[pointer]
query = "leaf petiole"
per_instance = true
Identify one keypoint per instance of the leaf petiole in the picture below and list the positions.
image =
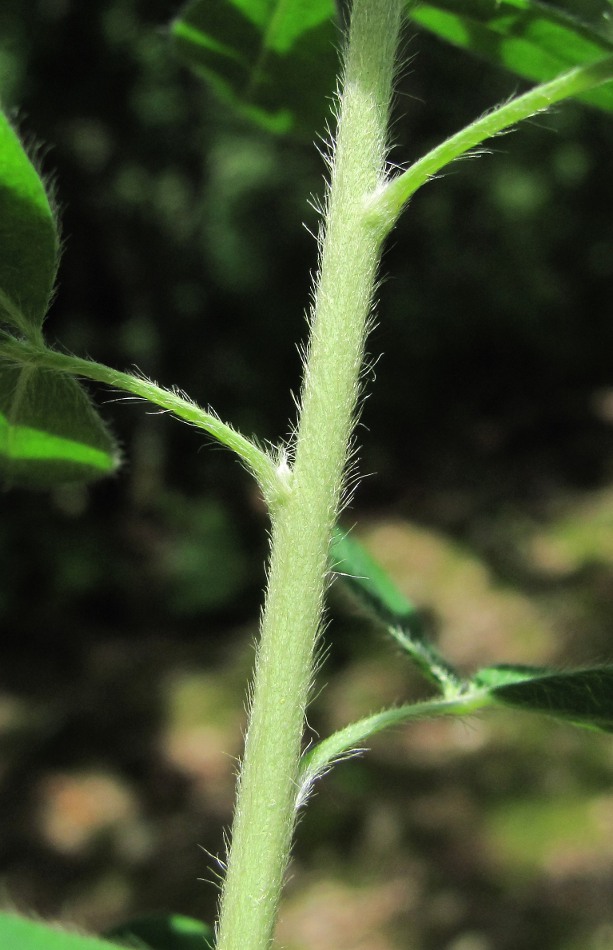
(388, 202)
(272, 477)
(347, 741)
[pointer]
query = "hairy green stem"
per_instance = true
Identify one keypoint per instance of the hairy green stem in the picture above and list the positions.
(346, 741)
(301, 529)
(270, 476)
(388, 203)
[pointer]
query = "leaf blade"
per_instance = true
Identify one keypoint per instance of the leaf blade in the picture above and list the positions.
(582, 697)
(164, 932)
(49, 431)
(373, 588)
(368, 580)
(536, 41)
(20, 933)
(29, 237)
(256, 53)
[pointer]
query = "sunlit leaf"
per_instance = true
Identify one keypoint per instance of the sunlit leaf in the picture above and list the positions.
(506, 674)
(271, 60)
(585, 697)
(165, 932)
(536, 41)
(19, 933)
(49, 431)
(29, 242)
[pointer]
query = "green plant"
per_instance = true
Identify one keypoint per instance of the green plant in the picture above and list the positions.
(50, 433)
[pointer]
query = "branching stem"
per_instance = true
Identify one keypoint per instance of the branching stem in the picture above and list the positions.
(302, 527)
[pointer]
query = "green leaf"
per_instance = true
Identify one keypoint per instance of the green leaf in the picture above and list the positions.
(273, 61)
(164, 932)
(585, 697)
(19, 933)
(368, 580)
(29, 241)
(49, 432)
(536, 41)
(376, 592)
(507, 674)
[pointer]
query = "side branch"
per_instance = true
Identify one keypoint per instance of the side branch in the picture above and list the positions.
(346, 742)
(272, 479)
(387, 203)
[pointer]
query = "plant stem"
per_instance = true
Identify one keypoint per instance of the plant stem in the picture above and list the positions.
(346, 741)
(266, 471)
(302, 527)
(389, 202)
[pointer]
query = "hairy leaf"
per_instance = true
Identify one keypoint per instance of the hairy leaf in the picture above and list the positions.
(537, 41)
(49, 431)
(164, 932)
(29, 241)
(273, 61)
(19, 933)
(585, 697)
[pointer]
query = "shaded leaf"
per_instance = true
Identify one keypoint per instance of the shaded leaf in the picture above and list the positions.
(29, 241)
(585, 697)
(164, 932)
(273, 61)
(49, 431)
(376, 592)
(19, 933)
(276, 62)
(536, 41)
(369, 581)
